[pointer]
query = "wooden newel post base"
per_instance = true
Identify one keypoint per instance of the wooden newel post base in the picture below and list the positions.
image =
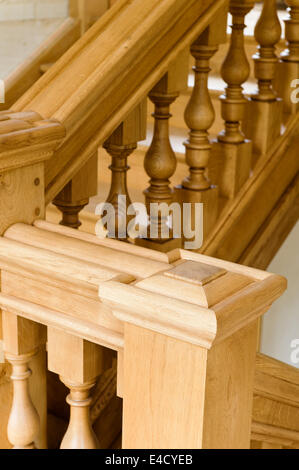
(190, 336)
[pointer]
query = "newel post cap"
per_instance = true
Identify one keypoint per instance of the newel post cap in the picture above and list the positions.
(199, 299)
(26, 138)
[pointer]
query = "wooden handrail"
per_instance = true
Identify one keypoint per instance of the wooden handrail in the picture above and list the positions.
(94, 103)
(77, 327)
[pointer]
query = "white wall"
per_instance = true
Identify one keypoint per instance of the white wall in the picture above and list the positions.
(11, 10)
(281, 324)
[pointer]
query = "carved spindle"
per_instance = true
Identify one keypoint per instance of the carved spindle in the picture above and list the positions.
(120, 145)
(264, 105)
(160, 164)
(231, 154)
(199, 117)
(289, 65)
(235, 71)
(119, 168)
(24, 345)
(79, 363)
(196, 188)
(23, 424)
(160, 159)
(75, 195)
(267, 34)
(79, 434)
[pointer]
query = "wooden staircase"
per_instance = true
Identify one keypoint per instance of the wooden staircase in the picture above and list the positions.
(148, 296)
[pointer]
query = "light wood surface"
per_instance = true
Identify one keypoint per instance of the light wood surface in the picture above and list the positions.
(170, 310)
(154, 362)
(208, 327)
(228, 396)
(82, 251)
(79, 328)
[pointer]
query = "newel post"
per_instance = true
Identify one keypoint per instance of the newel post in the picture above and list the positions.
(187, 368)
(26, 142)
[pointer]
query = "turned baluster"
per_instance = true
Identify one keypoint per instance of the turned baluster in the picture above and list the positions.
(160, 164)
(75, 195)
(79, 434)
(120, 146)
(235, 71)
(79, 363)
(23, 424)
(199, 116)
(160, 160)
(232, 153)
(267, 34)
(24, 342)
(118, 195)
(287, 78)
(264, 105)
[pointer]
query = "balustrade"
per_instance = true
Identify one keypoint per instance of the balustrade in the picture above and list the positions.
(160, 357)
(177, 320)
